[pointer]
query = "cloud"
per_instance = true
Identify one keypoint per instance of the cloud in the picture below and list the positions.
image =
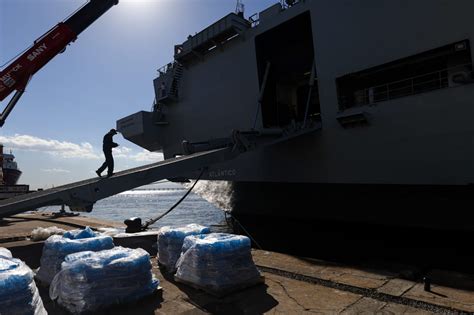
(55, 170)
(63, 149)
(147, 156)
(70, 150)
(122, 152)
(142, 156)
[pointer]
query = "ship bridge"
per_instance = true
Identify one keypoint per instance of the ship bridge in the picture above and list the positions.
(215, 35)
(195, 48)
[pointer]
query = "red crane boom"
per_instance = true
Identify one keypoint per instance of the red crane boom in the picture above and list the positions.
(18, 73)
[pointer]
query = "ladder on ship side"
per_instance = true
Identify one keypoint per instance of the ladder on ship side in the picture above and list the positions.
(177, 75)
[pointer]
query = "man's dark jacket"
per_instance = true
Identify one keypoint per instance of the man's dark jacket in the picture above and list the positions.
(108, 144)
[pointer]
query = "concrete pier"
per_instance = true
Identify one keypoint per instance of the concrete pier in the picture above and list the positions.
(292, 284)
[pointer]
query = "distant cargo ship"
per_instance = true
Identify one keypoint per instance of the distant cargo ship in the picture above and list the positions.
(11, 173)
(9, 176)
(10, 170)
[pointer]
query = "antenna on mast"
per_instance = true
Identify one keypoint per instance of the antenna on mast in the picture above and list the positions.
(240, 8)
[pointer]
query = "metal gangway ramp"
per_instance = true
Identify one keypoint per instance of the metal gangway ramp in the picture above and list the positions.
(83, 194)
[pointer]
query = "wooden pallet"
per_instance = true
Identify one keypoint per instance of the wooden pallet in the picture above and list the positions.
(113, 307)
(223, 292)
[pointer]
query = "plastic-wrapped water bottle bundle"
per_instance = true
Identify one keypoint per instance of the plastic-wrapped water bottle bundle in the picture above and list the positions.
(89, 281)
(80, 234)
(217, 262)
(5, 252)
(41, 234)
(57, 247)
(170, 241)
(18, 292)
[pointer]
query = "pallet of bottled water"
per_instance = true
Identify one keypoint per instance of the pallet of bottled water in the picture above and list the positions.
(218, 263)
(170, 242)
(57, 247)
(91, 281)
(18, 291)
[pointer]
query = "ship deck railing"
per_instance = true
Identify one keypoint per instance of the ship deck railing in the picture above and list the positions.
(285, 5)
(214, 35)
(435, 80)
(254, 19)
(167, 67)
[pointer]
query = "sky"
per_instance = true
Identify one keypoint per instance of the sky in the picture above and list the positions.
(56, 129)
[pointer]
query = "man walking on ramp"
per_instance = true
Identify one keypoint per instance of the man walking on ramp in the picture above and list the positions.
(107, 146)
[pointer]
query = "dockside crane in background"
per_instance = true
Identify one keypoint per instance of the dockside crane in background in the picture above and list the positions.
(16, 76)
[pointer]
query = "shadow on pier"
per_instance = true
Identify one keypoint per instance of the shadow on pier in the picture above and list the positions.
(409, 252)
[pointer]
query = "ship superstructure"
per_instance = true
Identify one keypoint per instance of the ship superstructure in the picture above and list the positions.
(11, 172)
(388, 84)
(9, 176)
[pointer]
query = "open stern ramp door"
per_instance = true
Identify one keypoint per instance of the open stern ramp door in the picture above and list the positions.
(82, 195)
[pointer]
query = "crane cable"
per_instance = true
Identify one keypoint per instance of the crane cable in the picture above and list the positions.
(154, 220)
(13, 58)
(19, 54)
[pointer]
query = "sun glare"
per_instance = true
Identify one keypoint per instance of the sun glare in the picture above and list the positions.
(139, 8)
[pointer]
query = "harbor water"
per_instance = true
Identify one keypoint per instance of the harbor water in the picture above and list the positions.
(154, 200)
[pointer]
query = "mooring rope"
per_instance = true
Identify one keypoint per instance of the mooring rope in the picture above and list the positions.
(247, 232)
(154, 220)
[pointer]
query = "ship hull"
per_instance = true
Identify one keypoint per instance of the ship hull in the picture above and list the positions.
(423, 206)
(11, 176)
(395, 143)
(358, 228)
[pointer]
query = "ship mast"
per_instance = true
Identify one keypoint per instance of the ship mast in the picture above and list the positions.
(240, 8)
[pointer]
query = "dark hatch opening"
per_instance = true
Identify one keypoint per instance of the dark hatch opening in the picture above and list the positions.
(289, 50)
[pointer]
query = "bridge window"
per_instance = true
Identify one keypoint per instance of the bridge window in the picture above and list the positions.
(440, 68)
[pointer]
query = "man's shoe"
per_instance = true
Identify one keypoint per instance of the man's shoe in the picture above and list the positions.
(98, 174)
(109, 175)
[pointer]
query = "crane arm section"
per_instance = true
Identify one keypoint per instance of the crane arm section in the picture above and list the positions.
(17, 74)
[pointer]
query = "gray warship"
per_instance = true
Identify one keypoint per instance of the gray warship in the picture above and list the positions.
(369, 104)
